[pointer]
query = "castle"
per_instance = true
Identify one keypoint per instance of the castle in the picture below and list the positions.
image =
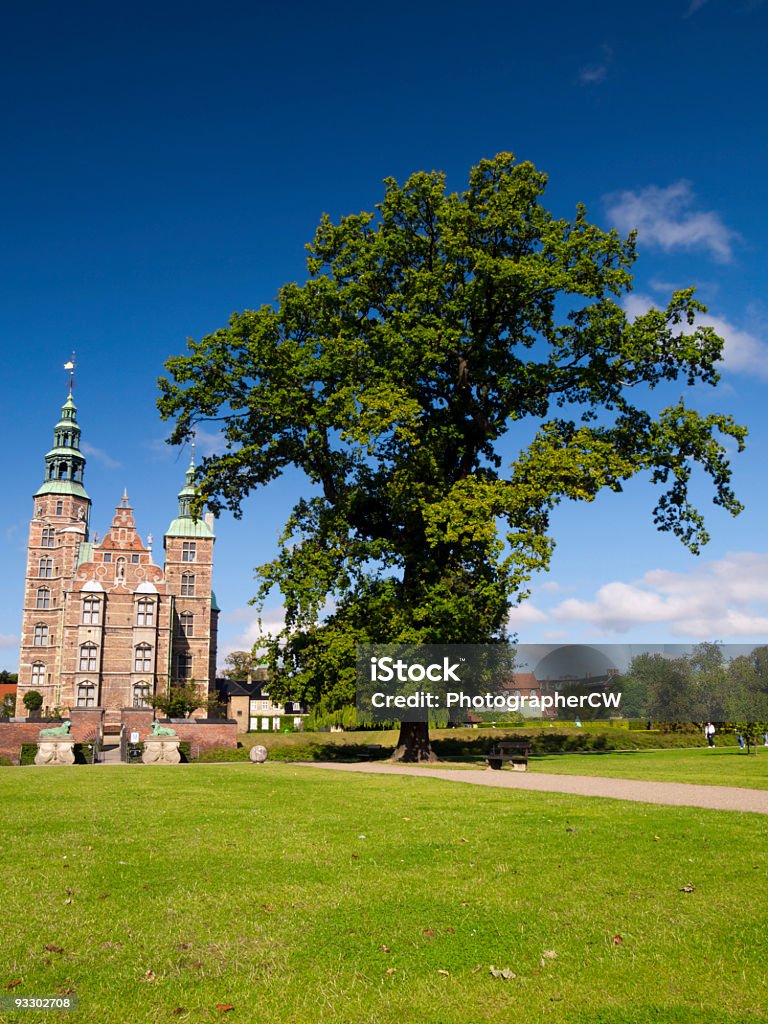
(103, 625)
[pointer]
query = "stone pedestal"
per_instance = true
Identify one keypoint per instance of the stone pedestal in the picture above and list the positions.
(161, 750)
(55, 750)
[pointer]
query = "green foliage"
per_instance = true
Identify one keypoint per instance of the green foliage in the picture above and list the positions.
(8, 706)
(32, 700)
(181, 700)
(240, 665)
(699, 687)
(428, 331)
(27, 753)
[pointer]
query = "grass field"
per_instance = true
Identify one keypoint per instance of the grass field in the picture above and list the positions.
(296, 896)
(723, 766)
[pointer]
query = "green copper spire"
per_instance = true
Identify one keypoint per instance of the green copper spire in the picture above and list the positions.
(64, 463)
(185, 525)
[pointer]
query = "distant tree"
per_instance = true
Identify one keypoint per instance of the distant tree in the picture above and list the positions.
(429, 330)
(240, 665)
(182, 700)
(8, 706)
(8, 678)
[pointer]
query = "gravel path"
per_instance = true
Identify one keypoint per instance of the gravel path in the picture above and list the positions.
(680, 794)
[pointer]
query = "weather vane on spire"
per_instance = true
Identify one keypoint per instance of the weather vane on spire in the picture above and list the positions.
(70, 365)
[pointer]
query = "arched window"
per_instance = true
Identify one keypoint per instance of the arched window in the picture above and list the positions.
(141, 695)
(43, 598)
(188, 584)
(186, 623)
(38, 674)
(91, 611)
(145, 612)
(86, 695)
(142, 661)
(183, 665)
(41, 635)
(46, 539)
(88, 654)
(45, 567)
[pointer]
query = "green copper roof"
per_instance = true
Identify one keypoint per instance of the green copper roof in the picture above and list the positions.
(64, 464)
(214, 603)
(86, 553)
(186, 526)
(62, 487)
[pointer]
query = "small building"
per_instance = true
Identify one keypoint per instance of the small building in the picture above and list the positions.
(249, 704)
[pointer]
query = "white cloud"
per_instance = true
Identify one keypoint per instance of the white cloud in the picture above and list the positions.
(251, 630)
(99, 455)
(663, 217)
(596, 72)
(717, 600)
(743, 352)
(524, 614)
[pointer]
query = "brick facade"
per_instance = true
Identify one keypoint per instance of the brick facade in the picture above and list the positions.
(104, 625)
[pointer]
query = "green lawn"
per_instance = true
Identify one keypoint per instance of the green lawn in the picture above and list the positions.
(723, 766)
(298, 895)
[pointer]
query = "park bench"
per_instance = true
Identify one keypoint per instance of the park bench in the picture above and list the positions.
(514, 752)
(371, 752)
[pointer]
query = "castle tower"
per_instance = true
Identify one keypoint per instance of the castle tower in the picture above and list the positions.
(57, 533)
(188, 545)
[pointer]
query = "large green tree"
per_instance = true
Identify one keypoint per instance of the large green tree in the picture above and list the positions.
(429, 330)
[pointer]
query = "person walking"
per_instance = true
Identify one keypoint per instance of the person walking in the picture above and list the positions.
(709, 732)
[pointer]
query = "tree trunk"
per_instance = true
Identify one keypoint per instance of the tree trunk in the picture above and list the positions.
(413, 743)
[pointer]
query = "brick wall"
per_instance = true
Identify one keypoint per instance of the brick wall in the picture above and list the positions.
(86, 728)
(206, 734)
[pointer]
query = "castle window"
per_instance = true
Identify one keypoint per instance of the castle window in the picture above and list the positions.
(186, 623)
(184, 665)
(141, 695)
(91, 611)
(145, 612)
(107, 556)
(142, 661)
(86, 695)
(43, 598)
(46, 567)
(135, 559)
(41, 635)
(88, 657)
(46, 540)
(59, 508)
(38, 674)
(188, 551)
(188, 585)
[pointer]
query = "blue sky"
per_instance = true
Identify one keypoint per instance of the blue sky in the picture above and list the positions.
(164, 167)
